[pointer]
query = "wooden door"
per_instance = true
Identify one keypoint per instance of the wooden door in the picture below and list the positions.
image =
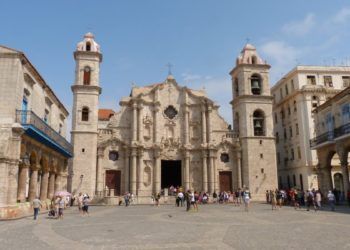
(225, 180)
(113, 181)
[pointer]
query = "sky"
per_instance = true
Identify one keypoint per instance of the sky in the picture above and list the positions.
(200, 38)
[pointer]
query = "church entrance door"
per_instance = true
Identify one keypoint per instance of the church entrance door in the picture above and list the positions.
(225, 180)
(113, 180)
(171, 174)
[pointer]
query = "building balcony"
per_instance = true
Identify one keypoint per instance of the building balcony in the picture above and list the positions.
(39, 130)
(342, 130)
(330, 136)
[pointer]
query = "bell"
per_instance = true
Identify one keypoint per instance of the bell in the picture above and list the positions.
(255, 85)
(258, 124)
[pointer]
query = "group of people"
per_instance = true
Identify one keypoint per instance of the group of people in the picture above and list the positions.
(298, 198)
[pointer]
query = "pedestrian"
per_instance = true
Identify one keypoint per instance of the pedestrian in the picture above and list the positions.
(61, 205)
(215, 197)
(246, 199)
(126, 199)
(318, 199)
(36, 203)
(279, 197)
(267, 194)
(331, 199)
(86, 200)
(180, 195)
(273, 200)
(310, 199)
(157, 198)
(188, 200)
(80, 203)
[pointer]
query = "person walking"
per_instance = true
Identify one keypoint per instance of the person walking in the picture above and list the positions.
(318, 199)
(273, 200)
(80, 203)
(188, 200)
(246, 199)
(86, 200)
(310, 199)
(180, 195)
(126, 199)
(331, 199)
(36, 203)
(61, 205)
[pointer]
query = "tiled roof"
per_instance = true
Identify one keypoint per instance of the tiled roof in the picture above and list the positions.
(105, 114)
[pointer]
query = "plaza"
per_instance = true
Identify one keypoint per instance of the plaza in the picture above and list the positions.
(214, 226)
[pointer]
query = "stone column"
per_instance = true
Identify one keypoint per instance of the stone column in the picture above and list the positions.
(99, 172)
(239, 170)
(51, 188)
(139, 124)
(211, 174)
(44, 185)
(205, 170)
(187, 170)
(133, 171)
(33, 183)
(345, 172)
(134, 121)
(58, 183)
(157, 172)
(186, 125)
(155, 124)
(204, 125)
(22, 182)
(12, 183)
(208, 124)
(126, 169)
(216, 182)
(139, 172)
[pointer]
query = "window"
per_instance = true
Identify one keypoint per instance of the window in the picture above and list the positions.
(294, 180)
(170, 112)
(277, 138)
(258, 123)
(224, 157)
(345, 110)
(281, 94)
(46, 116)
(299, 153)
(85, 114)
(297, 129)
(285, 134)
(301, 182)
(328, 81)
(278, 158)
(253, 59)
(88, 46)
(292, 154)
(289, 112)
(87, 73)
(286, 87)
(276, 120)
(255, 81)
(295, 106)
(292, 85)
(311, 80)
(346, 81)
(315, 101)
(60, 128)
(113, 155)
(236, 87)
(288, 181)
(290, 132)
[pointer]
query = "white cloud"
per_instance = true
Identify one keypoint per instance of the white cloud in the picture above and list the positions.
(281, 55)
(187, 77)
(300, 28)
(342, 16)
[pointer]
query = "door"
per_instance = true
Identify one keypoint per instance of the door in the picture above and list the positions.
(225, 180)
(24, 111)
(113, 179)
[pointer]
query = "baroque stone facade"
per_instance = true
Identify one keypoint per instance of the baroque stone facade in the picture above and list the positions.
(165, 134)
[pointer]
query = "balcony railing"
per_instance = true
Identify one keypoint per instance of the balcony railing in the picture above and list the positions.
(331, 135)
(342, 130)
(28, 117)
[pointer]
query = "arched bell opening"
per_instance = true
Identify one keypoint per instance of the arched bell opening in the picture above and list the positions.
(259, 123)
(256, 84)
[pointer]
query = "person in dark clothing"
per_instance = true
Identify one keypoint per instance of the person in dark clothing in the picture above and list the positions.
(188, 200)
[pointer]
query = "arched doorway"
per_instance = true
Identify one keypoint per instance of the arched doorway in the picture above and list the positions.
(338, 181)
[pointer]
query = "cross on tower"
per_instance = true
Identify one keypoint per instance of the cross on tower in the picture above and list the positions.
(247, 40)
(169, 65)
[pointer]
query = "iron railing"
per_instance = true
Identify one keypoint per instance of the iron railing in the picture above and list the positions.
(342, 130)
(28, 117)
(328, 136)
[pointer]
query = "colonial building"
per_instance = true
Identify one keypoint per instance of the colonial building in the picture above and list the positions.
(33, 148)
(332, 142)
(295, 96)
(165, 134)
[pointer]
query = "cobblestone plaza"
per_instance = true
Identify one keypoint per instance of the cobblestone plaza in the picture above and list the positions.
(168, 227)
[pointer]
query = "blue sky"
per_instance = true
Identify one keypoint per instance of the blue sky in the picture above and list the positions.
(201, 38)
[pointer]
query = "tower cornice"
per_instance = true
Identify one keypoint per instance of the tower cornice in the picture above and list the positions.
(86, 87)
(88, 53)
(247, 65)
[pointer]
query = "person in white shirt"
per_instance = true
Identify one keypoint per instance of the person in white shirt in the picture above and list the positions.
(331, 199)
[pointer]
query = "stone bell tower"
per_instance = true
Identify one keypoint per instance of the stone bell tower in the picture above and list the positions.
(86, 91)
(252, 120)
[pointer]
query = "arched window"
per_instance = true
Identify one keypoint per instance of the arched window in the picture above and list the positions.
(85, 114)
(255, 81)
(258, 123)
(253, 59)
(88, 46)
(87, 73)
(236, 87)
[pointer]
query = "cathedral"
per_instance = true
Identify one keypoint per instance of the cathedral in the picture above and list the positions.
(167, 135)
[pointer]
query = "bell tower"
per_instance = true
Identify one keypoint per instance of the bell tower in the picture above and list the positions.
(86, 90)
(252, 121)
